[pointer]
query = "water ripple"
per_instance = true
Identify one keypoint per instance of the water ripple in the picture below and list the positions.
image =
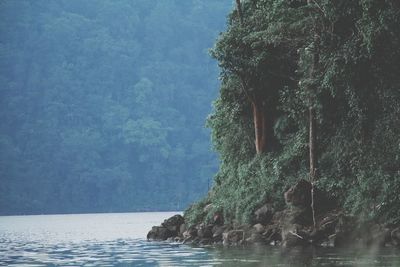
(130, 252)
(67, 240)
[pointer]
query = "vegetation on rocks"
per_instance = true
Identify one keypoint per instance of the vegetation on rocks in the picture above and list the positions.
(309, 90)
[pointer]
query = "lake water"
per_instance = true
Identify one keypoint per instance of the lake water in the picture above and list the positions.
(119, 239)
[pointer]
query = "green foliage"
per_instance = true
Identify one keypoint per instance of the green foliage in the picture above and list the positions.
(354, 87)
(102, 104)
(196, 213)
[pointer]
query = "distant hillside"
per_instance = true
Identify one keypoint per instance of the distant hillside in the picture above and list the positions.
(103, 104)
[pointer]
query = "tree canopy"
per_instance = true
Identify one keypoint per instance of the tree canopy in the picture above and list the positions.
(103, 103)
(335, 63)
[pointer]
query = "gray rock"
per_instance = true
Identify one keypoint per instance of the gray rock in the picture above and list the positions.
(159, 233)
(182, 229)
(264, 214)
(217, 231)
(292, 239)
(259, 228)
(255, 237)
(233, 237)
(205, 231)
(299, 195)
(205, 241)
(273, 233)
(174, 223)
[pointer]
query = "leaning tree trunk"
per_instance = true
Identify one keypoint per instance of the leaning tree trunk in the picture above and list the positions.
(259, 112)
(239, 10)
(260, 126)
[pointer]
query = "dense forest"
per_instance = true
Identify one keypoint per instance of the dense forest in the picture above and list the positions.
(310, 89)
(103, 104)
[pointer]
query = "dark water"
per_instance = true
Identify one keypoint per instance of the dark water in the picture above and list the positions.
(119, 240)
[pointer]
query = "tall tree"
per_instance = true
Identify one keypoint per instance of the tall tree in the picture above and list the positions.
(258, 109)
(313, 146)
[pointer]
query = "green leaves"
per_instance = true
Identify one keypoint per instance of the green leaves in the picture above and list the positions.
(353, 87)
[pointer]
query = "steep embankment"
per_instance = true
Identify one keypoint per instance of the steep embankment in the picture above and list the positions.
(308, 91)
(293, 226)
(328, 87)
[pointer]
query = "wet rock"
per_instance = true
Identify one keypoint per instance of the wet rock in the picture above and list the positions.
(293, 239)
(326, 227)
(298, 198)
(259, 228)
(176, 239)
(205, 241)
(191, 232)
(253, 234)
(233, 237)
(328, 223)
(299, 195)
(160, 233)
(205, 231)
(188, 239)
(279, 217)
(182, 229)
(255, 237)
(273, 233)
(264, 214)
(275, 243)
(196, 240)
(217, 232)
(300, 216)
(174, 223)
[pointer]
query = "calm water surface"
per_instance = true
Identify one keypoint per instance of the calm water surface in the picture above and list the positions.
(118, 239)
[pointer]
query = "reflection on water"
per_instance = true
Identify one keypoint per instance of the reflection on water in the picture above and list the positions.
(118, 240)
(272, 256)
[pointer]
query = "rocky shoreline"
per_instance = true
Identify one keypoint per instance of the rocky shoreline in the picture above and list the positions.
(291, 227)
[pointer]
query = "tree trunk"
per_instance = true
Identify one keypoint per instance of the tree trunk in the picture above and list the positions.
(312, 143)
(311, 116)
(239, 10)
(260, 126)
(313, 158)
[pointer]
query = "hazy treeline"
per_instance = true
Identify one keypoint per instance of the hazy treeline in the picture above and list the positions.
(102, 104)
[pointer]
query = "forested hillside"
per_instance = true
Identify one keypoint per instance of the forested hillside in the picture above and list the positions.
(310, 90)
(103, 104)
